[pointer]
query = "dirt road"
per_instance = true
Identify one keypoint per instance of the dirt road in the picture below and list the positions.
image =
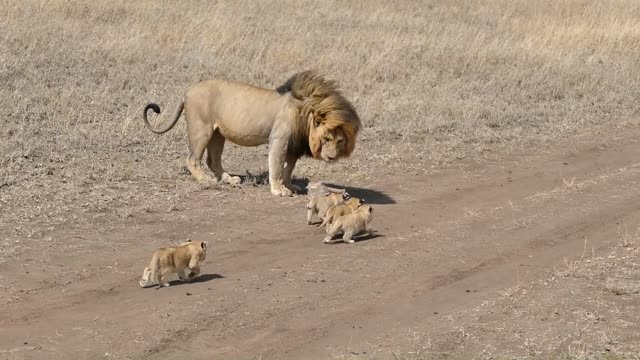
(445, 241)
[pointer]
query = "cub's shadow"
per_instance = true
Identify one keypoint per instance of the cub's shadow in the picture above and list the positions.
(199, 279)
(370, 236)
(359, 238)
(370, 196)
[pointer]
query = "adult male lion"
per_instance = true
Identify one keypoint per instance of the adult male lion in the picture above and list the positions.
(307, 115)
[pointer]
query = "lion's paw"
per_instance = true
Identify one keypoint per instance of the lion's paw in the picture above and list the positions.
(294, 188)
(281, 191)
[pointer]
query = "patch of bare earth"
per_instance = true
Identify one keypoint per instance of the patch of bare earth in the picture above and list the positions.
(587, 308)
(497, 136)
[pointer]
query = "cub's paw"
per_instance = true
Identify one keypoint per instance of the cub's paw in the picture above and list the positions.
(145, 280)
(231, 180)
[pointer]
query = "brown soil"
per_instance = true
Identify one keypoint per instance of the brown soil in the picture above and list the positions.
(446, 243)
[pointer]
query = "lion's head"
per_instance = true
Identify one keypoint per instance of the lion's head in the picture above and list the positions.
(332, 123)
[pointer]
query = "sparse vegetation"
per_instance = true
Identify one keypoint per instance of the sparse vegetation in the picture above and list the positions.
(588, 309)
(435, 82)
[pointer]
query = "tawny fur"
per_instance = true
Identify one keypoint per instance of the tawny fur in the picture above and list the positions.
(318, 204)
(334, 212)
(351, 224)
(307, 115)
(165, 261)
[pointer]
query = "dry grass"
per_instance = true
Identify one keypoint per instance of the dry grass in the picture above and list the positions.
(434, 82)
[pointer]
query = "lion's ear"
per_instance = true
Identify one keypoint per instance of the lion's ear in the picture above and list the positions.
(314, 119)
(318, 118)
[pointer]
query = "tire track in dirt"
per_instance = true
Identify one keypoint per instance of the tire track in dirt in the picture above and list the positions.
(285, 294)
(558, 238)
(415, 301)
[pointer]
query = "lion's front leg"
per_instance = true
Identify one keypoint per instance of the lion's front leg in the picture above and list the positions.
(288, 171)
(277, 157)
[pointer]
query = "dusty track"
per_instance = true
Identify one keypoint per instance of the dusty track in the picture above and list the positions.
(444, 242)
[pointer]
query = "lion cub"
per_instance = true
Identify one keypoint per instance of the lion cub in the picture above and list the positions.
(350, 224)
(318, 204)
(336, 211)
(165, 261)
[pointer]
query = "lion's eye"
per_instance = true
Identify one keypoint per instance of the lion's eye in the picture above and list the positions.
(340, 141)
(326, 139)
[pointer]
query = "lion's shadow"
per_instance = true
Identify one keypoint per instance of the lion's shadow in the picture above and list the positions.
(370, 196)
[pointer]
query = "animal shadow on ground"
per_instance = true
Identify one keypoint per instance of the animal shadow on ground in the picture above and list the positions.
(199, 279)
(359, 238)
(370, 236)
(370, 196)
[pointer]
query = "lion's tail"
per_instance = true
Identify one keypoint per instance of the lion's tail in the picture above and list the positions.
(156, 109)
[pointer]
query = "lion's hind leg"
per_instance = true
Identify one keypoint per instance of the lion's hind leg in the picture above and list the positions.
(199, 136)
(214, 159)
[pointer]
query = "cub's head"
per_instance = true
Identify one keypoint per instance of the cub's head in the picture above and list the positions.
(200, 246)
(354, 202)
(334, 129)
(366, 211)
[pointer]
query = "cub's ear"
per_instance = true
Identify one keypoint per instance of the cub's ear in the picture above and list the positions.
(370, 209)
(204, 245)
